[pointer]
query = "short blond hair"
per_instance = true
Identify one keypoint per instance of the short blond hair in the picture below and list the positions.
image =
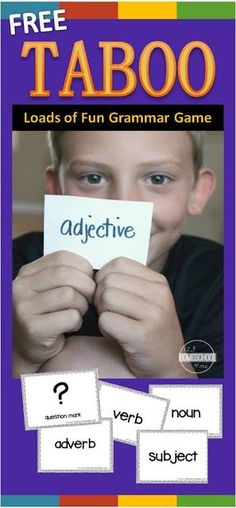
(55, 147)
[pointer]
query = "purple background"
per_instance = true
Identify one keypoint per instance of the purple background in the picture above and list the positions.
(19, 448)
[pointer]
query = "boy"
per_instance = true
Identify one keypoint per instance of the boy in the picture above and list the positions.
(128, 320)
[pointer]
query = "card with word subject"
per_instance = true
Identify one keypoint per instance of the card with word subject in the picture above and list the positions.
(118, 247)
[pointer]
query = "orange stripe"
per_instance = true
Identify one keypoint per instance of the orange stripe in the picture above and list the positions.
(147, 10)
(153, 501)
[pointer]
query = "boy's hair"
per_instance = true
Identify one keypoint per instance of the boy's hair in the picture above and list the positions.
(55, 147)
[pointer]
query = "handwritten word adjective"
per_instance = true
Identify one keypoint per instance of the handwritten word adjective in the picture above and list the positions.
(105, 230)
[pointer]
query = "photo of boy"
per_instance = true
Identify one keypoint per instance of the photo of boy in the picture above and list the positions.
(128, 320)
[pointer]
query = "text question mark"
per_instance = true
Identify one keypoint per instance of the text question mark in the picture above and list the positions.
(66, 388)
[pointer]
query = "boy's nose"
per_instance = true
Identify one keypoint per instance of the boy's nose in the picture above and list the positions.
(127, 193)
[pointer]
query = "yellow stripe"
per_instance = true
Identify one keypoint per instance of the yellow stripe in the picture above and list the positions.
(147, 501)
(147, 10)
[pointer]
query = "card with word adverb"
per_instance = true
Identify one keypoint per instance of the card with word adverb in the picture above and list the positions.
(97, 229)
(60, 398)
(81, 448)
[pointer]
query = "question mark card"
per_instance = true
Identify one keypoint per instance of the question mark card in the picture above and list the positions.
(77, 448)
(97, 229)
(60, 398)
(131, 410)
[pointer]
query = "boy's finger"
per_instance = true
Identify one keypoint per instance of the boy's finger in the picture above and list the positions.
(57, 323)
(149, 290)
(129, 267)
(56, 277)
(120, 328)
(124, 303)
(59, 258)
(54, 300)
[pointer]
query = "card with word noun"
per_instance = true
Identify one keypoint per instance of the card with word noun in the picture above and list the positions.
(118, 248)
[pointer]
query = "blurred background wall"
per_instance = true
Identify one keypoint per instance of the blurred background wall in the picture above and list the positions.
(30, 158)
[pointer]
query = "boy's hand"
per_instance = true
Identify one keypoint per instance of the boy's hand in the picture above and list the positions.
(136, 308)
(50, 298)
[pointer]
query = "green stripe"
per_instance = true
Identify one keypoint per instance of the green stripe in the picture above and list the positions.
(205, 500)
(205, 10)
(30, 501)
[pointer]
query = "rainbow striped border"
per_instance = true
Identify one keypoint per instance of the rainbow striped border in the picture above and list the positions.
(136, 501)
(128, 10)
(124, 10)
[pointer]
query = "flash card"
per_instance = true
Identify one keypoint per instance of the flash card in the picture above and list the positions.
(60, 398)
(172, 457)
(97, 229)
(78, 448)
(192, 407)
(131, 411)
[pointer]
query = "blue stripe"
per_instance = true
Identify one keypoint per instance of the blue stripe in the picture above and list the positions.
(8, 8)
(30, 501)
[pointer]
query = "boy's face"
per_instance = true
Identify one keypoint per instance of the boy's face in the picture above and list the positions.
(137, 166)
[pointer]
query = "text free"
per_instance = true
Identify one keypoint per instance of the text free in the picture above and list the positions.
(28, 21)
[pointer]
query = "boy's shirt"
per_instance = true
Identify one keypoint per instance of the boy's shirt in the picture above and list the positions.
(194, 270)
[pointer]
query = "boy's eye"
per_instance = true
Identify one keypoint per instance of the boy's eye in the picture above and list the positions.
(159, 179)
(92, 178)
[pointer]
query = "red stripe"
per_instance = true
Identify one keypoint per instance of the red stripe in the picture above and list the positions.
(90, 10)
(88, 500)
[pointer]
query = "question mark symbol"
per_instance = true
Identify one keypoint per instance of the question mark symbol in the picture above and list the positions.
(66, 388)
